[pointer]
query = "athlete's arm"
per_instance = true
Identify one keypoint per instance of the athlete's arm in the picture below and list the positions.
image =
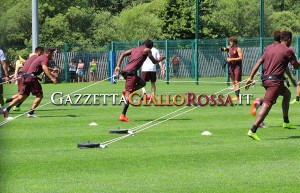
(149, 54)
(288, 73)
(48, 73)
(253, 72)
(5, 68)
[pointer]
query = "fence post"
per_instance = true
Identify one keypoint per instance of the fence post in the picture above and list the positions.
(66, 62)
(227, 66)
(167, 62)
(297, 52)
(112, 61)
(196, 52)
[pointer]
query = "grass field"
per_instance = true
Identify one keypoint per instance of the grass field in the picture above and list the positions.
(169, 155)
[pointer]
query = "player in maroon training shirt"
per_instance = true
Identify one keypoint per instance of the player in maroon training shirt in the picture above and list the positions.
(37, 52)
(235, 58)
(30, 82)
(275, 59)
(133, 82)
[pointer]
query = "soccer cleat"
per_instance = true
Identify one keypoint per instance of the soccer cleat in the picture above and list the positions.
(254, 108)
(123, 118)
(288, 126)
(236, 98)
(31, 116)
(262, 125)
(5, 113)
(253, 135)
(293, 102)
(16, 108)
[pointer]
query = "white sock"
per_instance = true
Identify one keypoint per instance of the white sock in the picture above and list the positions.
(144, 90)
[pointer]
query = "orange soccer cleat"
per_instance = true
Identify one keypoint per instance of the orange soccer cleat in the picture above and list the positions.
(123, 118)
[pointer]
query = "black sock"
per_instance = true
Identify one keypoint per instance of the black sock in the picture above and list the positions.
(8, 100)
(254, 128)
(8, 108)
(297, 98)
(237, 92)
(286, 119)
(31, 112)
(19, 104)
(125, 109)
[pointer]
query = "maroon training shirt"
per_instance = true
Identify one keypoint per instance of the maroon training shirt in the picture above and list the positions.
(136, 60)
(28, 63)
(233, 53)
(36, 65)
(276, 59)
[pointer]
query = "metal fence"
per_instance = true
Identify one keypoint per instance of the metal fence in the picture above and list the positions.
(202, 58)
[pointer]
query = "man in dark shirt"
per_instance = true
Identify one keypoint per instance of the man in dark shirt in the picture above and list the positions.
(30, 82)
(133, 82)
(275, 59)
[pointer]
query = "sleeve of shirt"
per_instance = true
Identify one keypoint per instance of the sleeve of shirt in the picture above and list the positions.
(291, 56)
(45, 61)
(2, 56)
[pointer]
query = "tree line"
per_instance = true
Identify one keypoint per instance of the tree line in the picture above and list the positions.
(94, 22)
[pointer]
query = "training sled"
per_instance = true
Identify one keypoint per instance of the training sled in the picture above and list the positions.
(85, 145)
(120, 131)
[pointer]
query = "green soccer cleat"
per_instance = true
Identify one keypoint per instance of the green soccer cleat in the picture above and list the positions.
(294, 102)
(253, 135)
(16, 108)
(288, 126)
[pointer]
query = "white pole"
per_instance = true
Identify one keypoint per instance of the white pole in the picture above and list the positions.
(35, 25)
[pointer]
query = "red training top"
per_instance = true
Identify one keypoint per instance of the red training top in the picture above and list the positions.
(233, 53)
(28, 63)
(36, 65)
(136, 60)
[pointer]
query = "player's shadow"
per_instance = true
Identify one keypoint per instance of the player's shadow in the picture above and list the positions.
(159, 120)
(54, 109)
(293, 137)
(59, 116)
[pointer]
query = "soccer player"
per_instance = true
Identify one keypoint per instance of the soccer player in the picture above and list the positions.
(149, 71)
(6, 78)
(137, 56)
(30, 83)
(275, 59)
(235, 58)
(259, 101)
(37, 52)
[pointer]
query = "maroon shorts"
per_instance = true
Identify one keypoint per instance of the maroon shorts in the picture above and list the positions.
(149, 75)
(273, 90)
(235, 72)
(132, 82)
(30, 85)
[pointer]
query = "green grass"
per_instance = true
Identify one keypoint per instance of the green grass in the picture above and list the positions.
(41, 155)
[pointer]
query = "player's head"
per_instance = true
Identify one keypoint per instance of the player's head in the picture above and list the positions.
(233, 40)
(39, 50)
(286, 36)
(148, 44)
(49, 52)
(276, 35)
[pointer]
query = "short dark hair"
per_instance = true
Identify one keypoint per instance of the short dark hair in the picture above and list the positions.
(148, 44)
(277, 35)
(39, 49)
(233, 39)
(49, 50)
(286, 35)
